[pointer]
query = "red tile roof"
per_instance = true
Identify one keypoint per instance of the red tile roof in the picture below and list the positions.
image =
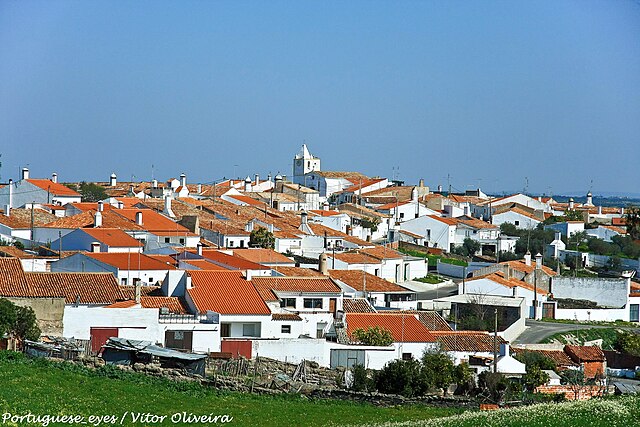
(89, 206)
(174, 304)
(153, 221)
(498, 277)
(285, 316)
(225, 293)
(235, 262)
(130, 261)
(581, 353)
(356, 280)
(403, 327)
(246, 199)
(265, 285)
(21, 218)
(468, 341)
(520, 265)
(298, 272)
(54, 188)
(203, 264)
(113, 237)
(357, 305)
(260, 256)
(430, 319)
(559, 357)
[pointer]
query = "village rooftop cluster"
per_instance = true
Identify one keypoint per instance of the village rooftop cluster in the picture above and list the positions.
(290, 267)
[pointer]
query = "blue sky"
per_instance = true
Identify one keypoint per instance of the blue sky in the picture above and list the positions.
(495, 94)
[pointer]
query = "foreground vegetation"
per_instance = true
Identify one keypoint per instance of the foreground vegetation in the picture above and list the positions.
(611, 412)
(54, 388)
(609, 337)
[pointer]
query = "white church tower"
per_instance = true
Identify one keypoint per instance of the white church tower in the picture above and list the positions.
(303, 163)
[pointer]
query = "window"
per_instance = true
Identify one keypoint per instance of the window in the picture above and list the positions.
(285, 329)
(225, 330)
(167, 240)
(248, 330)
(517, 223)
(313, 303)
(123, 281)
(242, 243)
(401, 215)
(407, 356)
(376, 272)
(320, 329)
(288, 302)
(150, 279)
(182, 241)
(634, 312)
(230, 243)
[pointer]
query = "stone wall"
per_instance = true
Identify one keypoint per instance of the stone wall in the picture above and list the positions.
(49, 313)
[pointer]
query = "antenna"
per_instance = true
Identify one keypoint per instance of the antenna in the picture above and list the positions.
(0, 168)
(526, 185)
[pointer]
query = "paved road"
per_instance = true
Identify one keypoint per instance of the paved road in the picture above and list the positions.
(537, 331)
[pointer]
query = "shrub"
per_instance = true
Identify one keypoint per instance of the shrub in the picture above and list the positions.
(374, 336)
(401, 377)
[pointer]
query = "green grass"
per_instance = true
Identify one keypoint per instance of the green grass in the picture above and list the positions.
(608, 336)
(433, 259)
(608, 412)
(49, 388)
(431, 279)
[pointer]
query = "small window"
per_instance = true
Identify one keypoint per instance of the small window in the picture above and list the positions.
(288, 302)
(150, 279)
(167, 240)
(230, 243)
(376, 272)
(182, 241)
(401, 215)
(407, 356)
(285, 329)
(123, 281)
(248, 330)
(517, 223)
(313, 303)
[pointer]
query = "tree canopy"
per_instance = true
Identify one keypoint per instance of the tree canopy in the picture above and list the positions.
(262, 238)
(18, 322)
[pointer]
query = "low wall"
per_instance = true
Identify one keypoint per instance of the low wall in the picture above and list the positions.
(593, 314)
(603, 291)
(458, 271)
(578, 392)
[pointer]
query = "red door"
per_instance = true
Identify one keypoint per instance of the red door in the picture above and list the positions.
(237, 348)
(99, 337)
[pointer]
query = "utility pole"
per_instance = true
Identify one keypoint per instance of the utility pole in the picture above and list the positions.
(495, 340)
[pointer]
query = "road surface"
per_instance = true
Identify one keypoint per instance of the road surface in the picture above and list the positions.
(537, 331)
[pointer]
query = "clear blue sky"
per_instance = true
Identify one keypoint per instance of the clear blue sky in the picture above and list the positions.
(488, 92)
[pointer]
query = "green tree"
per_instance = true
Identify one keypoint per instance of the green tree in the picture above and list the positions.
(493, 385)
(402, 377)
(534, 377)
(534, 359)
(361, 379)
(262, 238)
(632, 220)
(509, 229)
(628, 342)
(573, 215)
(18, 322)
(371, 223)
(437, 370)
(463, 377)
(90, 192)
(7, 316)
(374, 336)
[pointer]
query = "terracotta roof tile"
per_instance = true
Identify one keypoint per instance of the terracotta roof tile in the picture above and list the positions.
(153, 221)
(89, 288)
(259, 256)
(469, 341)
(54, 188)
(582, 353)
(430, 319)
(225, 293)
(266, 285)
(356, 280)
(234, 262)
(21, 218)
(203, 264)
(129, 261)
(357, 305)
(520, 265)
(298, 272)
(286, 316)
(559, 357)
(113, 237)
(403, 327)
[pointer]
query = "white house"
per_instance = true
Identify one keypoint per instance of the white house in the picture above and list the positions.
(41, 191)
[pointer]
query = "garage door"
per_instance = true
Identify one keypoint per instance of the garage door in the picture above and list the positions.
(99, 337)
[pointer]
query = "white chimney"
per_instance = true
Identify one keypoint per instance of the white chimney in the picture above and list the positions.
(421, 182)
(7, 210)
(154, 183)
(257, 180)
(25, 173)
(138, 290)
(303, 218)
(95, 247)
(270, 228)
(167, 207)
(599, 210)
(571, 203)
(414, 194)
(199, 188)
(100, 206)
(188, 284)
(325, 206)
(540, 199)
(322, 267)
(504, 349)
(527, 258)
(139, 218)
(97, 219)
(589, 199)
(538, 261)
(439, 188)
(558, 236)
(269, 177)
(621, 211)
(54, 178)
(249, 226)
(113, 180)
(199, 249)
(183, 180)
(248, 275)
(247, 184)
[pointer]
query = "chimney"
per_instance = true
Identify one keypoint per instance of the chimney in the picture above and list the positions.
(199, 249)
(10, 205)
(257, 180)
(571, 203)
(439, 188)
(248, 275)
(599, 210)
(154, 183)
(270, 228)
(527, 258)
(7, 210)
(113, 180)
(97, 219)
(247, 184)
(504, 349)
(25, 173)
(538, 261)
(199, 188)
(507, 272)
(303, 218)
(322, 267)
(269, 177)
(325, 206)
(558, 236)
(100, 206)
(589, 199)
(621, 211)
(54, 178)
(167, 207)
(421, 182)
(414, 194)
(188, 284)
(138, 290)
(249, 227)
(183, 180)
(540, 199)
(139, 218)
(95, 247)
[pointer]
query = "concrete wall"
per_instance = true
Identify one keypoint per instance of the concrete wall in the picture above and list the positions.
(49, 313)
(605, 292)
(601, 315)
(459, 271)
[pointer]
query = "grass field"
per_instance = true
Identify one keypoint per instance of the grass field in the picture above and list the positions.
(48, 388)
(611, 412)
